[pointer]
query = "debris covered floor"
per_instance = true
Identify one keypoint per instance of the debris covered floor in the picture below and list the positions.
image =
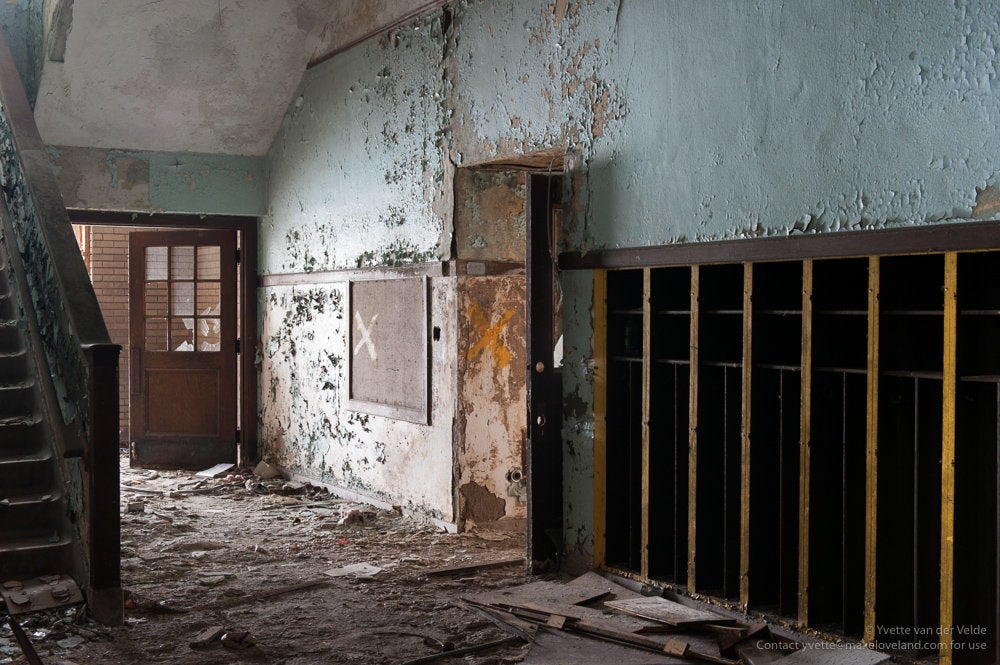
(241, 569)
(202, 553)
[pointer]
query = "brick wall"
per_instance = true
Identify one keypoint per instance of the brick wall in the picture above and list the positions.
(107, 254)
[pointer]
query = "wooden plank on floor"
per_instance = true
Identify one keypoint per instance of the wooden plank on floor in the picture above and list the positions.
(592, 580)
(839, 654)
(473, 566)
(541, 592)
(559, 648)
(666, 611)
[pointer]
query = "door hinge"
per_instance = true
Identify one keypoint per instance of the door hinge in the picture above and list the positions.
(237, 346)
(239, 257)
(237, 435)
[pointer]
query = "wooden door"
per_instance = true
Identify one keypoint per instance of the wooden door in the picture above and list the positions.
(183, 339)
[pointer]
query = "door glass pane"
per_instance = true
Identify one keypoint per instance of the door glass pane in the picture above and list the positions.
(209, 299)
(209, 334)
(156, 263)
(156, 334)
(182, 263)
(208, 263)
(181, 334)
(182, 298)
(156, 299)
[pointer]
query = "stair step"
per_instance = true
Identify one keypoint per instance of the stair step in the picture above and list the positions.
(23, 475)
(7, 308)
(21, 435)
(35, 552)
(11, 335)
(13, 366)
(17, 399)
(27, 511)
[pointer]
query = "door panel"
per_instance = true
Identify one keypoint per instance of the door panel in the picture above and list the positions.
(182, 294)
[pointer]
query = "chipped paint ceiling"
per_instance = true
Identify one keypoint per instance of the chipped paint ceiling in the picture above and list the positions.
(192, 75)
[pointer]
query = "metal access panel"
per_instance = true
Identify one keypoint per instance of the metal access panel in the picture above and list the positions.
(388, 348)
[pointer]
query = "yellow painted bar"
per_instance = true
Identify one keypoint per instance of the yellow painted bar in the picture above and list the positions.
(948, 456)
(745, 437)
(693, 434)
(805, 441)
(600, 412)
(871, 455)
(647, 362)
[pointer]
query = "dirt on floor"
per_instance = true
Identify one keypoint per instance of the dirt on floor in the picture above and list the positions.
(251, 555)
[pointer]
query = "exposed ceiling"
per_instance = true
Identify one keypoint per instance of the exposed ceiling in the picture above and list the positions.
(193, 75)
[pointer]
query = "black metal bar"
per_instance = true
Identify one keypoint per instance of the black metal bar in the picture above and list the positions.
(782, 551)
(996, 507)
(678, 553)
(843, 503)
(916, 502)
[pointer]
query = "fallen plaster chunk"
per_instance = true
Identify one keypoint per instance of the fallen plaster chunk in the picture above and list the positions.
(359, 570)
(266, 471)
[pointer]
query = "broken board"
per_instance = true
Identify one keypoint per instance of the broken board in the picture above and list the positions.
(592, 580)
(539, 592)
(473, 566)
(839, 655)
(561, 648)
(667, 611)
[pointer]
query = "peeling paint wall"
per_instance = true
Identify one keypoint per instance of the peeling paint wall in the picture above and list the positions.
(356, 176)
(492, 352)
(489, 216)
(306, 425)
(357, 179)
(492, 395)
(136, 181)
(681, 121)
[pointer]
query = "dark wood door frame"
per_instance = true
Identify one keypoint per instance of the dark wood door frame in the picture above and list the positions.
(247, 229)
(544, 449)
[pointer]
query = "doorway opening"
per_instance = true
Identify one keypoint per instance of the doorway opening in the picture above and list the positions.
(179, 294)
(508, 467)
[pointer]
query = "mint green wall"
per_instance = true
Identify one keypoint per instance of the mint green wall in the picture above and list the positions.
(681, 121)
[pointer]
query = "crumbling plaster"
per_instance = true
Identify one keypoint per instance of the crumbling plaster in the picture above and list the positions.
(681, 122)
(492, 391)
(304, 417)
